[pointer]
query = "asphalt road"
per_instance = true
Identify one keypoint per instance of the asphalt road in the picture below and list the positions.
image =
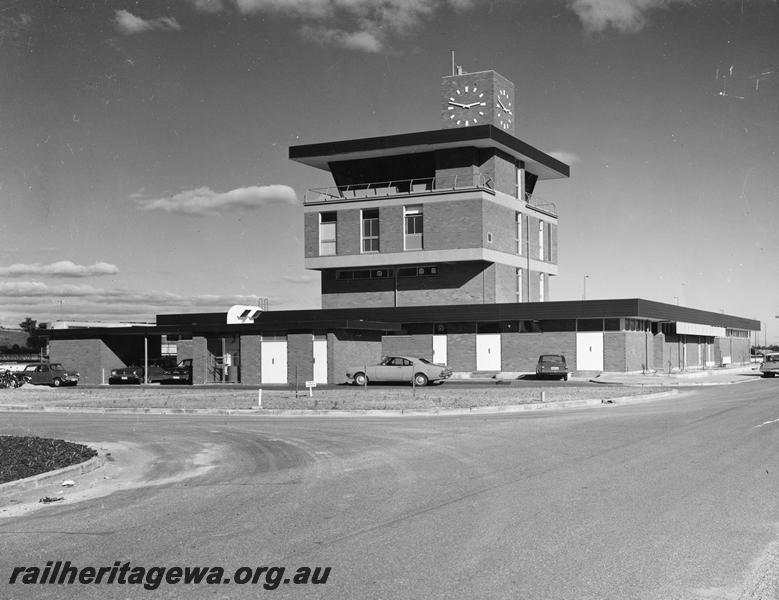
(669, 499)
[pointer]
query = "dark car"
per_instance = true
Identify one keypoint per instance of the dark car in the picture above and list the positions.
(552, 366)
(134, 373)
(181, 373)
(53, 374)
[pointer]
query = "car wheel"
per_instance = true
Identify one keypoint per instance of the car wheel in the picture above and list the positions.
(566, 377)
(360, 379)
(420, 379)
(56, 382)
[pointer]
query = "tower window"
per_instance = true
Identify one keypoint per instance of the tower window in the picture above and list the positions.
(412, 218)
(327, 224)
(370, 230)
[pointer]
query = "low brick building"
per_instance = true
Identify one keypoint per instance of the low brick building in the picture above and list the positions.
(433, 244)
(291, 347)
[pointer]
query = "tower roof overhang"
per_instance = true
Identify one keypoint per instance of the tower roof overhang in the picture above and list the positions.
(537, 162)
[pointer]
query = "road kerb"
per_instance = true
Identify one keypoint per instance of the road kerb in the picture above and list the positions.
(36, 481)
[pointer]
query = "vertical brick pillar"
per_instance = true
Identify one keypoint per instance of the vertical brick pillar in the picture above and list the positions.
(200, 360)
(251, 359)
(300, 358)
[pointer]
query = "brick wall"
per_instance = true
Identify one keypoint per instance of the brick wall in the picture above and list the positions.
(461, 351)
(347, 232)
(614, 351)
(736, 348)
(311, 234)
(501, 222)
(84, 356)
(506, 284)
(300, 358)
(638, 351)
(349, 349)
(391, 228)
(502, 169)
(408, 345)
(201, 361)
(251, 359)
(520, 351)
(453, 225)
(183, 350)
(462, 283)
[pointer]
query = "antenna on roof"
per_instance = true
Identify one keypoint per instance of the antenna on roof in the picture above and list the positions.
(452, 62)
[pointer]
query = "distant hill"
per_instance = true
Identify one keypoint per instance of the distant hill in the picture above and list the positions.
(9, 337)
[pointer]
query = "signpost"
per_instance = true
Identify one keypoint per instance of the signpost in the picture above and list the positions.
(310, 385)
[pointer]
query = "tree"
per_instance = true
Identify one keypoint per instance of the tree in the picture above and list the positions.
(34, 340)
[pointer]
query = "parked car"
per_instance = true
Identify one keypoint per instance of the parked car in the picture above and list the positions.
(770, 365)
(181, 373)
(53, 374)
(552, 366)
(400, 368)
(134, 373)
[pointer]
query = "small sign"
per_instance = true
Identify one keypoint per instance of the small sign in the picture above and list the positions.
(310, 383)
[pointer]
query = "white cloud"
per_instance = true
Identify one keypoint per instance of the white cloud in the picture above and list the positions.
(627, 16)
(63, 268)
(37, 292)
(363, 25)
(208, 6)
(300, 279)
(128, 24)
(359, 40)
(206, 202)
(569, 158)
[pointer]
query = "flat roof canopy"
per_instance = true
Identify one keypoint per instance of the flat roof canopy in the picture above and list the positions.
(391, 319)
(480, 136)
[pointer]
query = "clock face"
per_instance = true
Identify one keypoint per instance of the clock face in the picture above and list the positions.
(467, 106)
(504, 110)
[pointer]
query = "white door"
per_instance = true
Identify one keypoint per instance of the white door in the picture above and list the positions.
(274, 361)
(589, 351)
(320, 361)
(439, 349)
(488, 352)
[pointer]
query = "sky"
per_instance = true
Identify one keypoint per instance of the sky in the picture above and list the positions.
(144, 145)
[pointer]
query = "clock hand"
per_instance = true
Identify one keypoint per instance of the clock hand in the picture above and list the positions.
(473, 104)
(458, 104)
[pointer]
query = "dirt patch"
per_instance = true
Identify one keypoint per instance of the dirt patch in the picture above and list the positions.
(343, 398)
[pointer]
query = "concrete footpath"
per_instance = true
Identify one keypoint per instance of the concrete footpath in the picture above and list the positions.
(716, 376)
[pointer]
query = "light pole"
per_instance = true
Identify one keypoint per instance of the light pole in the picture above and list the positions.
(584, 287)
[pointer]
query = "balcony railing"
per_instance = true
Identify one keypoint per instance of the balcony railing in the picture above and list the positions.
(416, 187)
(402, 187)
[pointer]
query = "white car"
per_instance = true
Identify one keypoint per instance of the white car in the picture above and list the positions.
(400, 369)
(770, 365)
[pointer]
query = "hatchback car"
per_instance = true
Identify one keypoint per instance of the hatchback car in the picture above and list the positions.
(53, 374)
(770, 365)
(552, 366)
(400, 369)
